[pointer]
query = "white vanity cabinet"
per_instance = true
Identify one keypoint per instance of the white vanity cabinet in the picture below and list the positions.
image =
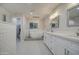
(60, 45)
(57, 47)
(54, 44)
(7, 38)
(74, 48)
(48, 40)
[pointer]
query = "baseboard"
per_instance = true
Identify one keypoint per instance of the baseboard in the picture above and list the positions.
(32, 39)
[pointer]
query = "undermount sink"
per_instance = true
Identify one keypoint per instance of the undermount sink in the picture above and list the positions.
(74, 35)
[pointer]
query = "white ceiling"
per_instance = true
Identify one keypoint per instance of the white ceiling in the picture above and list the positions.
(39, 9)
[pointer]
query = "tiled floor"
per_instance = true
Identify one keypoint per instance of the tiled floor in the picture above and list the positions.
(32, 47)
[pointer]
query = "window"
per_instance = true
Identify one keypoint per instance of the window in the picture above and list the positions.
(33, 25)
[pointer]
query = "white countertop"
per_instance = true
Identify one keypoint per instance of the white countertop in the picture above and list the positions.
(65, 35)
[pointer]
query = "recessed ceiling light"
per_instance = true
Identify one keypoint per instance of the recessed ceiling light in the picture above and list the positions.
(31, 13)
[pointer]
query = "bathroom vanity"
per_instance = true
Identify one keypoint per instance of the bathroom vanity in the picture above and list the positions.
(62, 44)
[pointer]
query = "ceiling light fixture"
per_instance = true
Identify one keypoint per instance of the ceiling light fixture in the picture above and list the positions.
(53, 16)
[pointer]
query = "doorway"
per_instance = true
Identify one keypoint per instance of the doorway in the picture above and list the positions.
(18, 29)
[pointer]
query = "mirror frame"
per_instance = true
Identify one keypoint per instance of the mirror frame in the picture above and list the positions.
(68, 17)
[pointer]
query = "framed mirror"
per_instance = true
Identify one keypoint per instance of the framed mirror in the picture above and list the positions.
(73, 16)
(55, 22)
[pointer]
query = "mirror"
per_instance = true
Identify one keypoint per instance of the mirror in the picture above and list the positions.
(73, 16)
(33, 25)
(55, 22)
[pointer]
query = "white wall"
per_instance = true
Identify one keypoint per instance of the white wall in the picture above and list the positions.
(24, 31)
(5, 12)
(34, 33)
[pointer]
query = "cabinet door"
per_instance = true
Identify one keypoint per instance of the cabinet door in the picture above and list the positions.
(74, 48)
(70, 47)
(53, 44)
(48, 40)
(58, 46)
(45, 38)
(69, 51)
